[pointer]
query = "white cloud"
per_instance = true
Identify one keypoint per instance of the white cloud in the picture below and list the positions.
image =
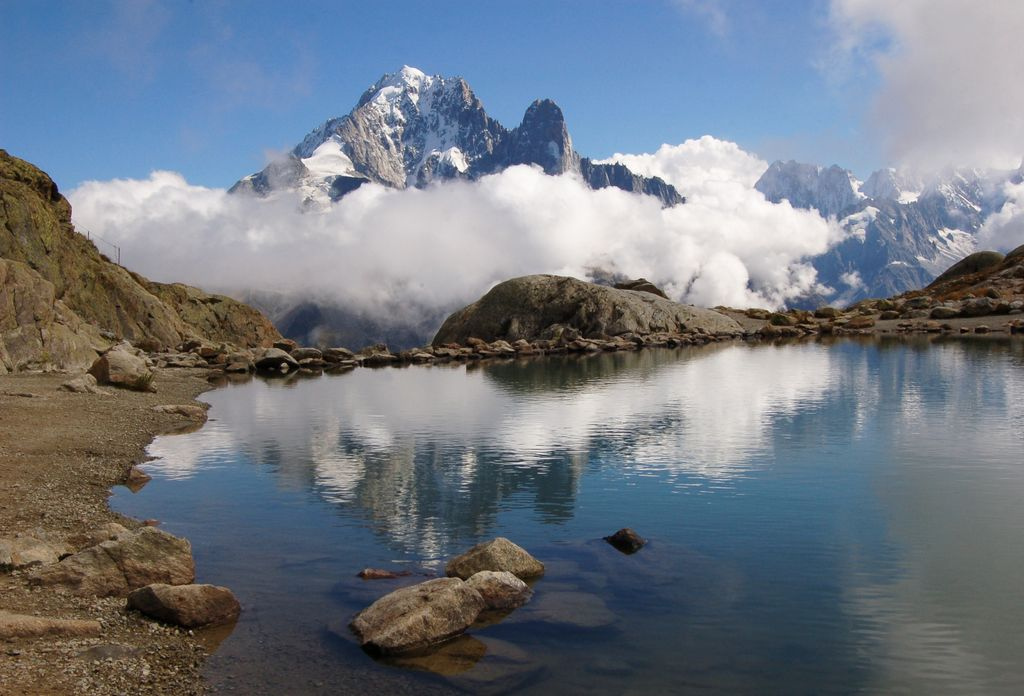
(950, 77)
(1004, 230)
(444, 246)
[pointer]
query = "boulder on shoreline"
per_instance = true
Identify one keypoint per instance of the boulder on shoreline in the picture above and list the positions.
(186, 605)
(526, 307)
(115, 567)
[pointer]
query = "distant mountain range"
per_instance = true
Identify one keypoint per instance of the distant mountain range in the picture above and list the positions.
(902, 230)
(410, 129)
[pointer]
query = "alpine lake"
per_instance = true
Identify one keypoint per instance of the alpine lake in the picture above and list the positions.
(825, 517)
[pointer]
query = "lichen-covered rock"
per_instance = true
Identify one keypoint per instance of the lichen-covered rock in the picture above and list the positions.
(115, 567)
(418, 616)
(500, 589)
(498, 554)
(186, 605)
(526, 307)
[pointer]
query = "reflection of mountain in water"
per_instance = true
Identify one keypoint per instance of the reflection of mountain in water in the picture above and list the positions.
(431, 455)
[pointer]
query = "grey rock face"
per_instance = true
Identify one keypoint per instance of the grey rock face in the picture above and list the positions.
(831, 191)
(977, 261)
(527, 307)
(419, 616)
(410, 129)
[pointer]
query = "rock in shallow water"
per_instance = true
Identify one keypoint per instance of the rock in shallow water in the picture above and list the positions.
(418, 616)
(500, 589)
(497, 554)
(186, 605)
(626, 540)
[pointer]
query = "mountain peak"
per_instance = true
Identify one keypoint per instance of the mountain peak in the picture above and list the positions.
(410, 129)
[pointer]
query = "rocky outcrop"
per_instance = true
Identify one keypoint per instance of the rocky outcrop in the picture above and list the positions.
(417, 617)
(499, 554)
(60, 298)
(38, 331)
(186, 605)
(538, 306)
(976, 262)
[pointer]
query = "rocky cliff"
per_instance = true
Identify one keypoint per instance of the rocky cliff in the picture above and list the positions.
(540, 306)
(60, 299)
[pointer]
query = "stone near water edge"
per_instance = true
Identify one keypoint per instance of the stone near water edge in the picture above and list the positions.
(136, 479)
(497, 554)
(186, 605)
(626, 540)
(25, 626)
(500, 589)
(418, 616)
(381, 574)
(107, 532)
(275, 359)
(113, 568)
(861, 322)
(455, 656)
(24, 551)
(190, 411)
(83, 384)
(944, 312)
(121, 368)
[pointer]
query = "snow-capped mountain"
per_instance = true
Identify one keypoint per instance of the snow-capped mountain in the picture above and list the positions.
(410, 129)
(902, 230)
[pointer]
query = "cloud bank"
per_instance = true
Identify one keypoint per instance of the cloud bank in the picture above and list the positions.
(443, 246)
(950, 77)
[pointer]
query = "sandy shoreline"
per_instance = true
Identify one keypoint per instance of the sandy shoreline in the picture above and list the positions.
(60, 454)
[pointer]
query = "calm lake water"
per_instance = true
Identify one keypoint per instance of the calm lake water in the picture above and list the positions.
(844, 518)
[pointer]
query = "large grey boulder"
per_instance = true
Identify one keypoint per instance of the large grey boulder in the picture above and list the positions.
(186, 605)
(418, 616)
(120, 367)
(275, 359)
(523, 308)
(978, 261)
(498, 554)
(115, 567)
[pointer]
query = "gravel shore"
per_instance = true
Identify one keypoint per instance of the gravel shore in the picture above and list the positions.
(60, 454)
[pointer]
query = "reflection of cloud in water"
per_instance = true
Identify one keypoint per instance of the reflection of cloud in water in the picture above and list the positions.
(183, 456)
(943, 608)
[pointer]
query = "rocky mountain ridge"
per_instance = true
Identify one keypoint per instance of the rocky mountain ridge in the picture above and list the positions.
(61, 301)
(410, 129)
(902, 230)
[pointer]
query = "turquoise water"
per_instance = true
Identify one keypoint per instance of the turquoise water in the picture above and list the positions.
(823, 518)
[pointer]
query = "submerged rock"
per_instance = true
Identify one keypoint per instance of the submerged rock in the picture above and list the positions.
(498, 554)
(626, 540)
(418, 616)
(186, 605)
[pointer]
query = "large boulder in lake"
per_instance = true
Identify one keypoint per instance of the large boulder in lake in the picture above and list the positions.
(532, 307)
(116, 567)
(419, 616)
(498, 554)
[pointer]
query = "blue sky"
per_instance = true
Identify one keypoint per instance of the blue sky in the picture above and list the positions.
(98, 90)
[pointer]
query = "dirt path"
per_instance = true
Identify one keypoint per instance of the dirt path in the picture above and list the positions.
(60, 453)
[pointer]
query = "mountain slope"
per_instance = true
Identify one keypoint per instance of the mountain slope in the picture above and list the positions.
(901, 230)
(55, 281)
(410, 129)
